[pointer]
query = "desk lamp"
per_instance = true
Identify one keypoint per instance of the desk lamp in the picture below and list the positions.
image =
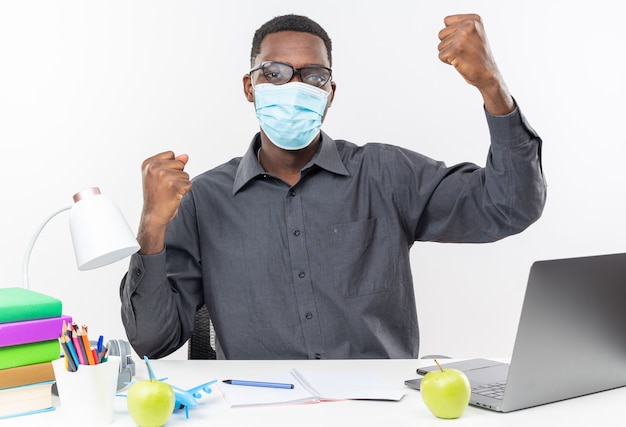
(100, 236)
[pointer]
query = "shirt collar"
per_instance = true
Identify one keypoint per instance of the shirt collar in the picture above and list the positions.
(327, 157)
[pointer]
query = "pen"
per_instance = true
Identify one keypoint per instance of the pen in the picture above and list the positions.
(99, 346)
(258, 384)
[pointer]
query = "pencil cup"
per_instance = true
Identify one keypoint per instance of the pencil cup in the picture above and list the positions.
(87, 395)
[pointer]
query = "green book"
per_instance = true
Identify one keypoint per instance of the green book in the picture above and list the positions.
(17, 304)
(28, 354)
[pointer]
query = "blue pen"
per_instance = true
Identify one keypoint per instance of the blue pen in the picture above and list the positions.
(258, 384)
(99, 348)
(100, 340)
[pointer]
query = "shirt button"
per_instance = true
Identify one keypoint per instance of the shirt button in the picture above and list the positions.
(137, 272)
(296, 232)
(318, 356)
(292, 193)
(301, 274)
(309, 315)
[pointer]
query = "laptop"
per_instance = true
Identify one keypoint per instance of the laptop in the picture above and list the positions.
(571, 338)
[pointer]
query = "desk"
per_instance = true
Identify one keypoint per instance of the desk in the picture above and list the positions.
(597, 409)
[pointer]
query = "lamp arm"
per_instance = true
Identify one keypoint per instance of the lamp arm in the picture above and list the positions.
(31, 244)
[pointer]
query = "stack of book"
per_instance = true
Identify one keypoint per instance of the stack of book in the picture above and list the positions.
(30, 325)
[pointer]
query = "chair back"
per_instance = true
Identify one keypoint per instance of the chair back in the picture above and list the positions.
(201, 344)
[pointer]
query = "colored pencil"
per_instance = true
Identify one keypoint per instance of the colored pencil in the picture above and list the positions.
(83, 336)
(79, 349)
(69, 360)
(70, 346)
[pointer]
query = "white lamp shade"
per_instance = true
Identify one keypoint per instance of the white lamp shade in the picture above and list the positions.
(99, 231)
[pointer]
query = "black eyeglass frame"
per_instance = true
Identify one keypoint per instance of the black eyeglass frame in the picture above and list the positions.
(294, 71)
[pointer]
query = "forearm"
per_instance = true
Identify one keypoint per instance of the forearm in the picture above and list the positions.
(150, 309)
(514, 173)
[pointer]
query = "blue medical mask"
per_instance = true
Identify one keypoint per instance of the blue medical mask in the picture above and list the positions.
(290, 114)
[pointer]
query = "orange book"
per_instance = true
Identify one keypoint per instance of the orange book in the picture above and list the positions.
(27, 374)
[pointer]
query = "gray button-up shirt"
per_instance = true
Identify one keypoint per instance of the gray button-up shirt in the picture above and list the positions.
(321, 269)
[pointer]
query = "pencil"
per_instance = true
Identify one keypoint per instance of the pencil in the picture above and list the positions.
(72, 350)
(77, 346)
(69, 360)
(82, 334)
(104, 354)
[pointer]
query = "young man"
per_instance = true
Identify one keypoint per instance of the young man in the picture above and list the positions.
(300, 248)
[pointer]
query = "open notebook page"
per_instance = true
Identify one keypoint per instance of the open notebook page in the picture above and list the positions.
(348, 385)
(311, 387)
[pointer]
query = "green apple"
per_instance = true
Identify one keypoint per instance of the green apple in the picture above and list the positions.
(446, 392)
(150, 402)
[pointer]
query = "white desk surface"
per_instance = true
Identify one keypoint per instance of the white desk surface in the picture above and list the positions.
(597, 409)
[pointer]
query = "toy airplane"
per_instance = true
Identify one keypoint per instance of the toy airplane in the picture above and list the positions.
(189, 398)
(185, 399)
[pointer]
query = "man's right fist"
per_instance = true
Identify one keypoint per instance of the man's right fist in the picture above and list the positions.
(165, 182)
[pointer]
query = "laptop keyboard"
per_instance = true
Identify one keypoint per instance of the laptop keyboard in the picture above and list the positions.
(494, 390)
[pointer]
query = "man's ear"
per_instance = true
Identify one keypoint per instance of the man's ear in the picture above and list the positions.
(331, 97)
(247, 88)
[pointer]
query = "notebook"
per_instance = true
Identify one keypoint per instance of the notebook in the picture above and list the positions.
(571, 337)
(311, 386)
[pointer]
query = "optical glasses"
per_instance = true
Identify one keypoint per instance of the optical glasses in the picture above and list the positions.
(279, 73)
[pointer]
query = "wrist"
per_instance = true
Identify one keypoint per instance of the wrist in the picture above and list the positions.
(497, 99)
(151, 238)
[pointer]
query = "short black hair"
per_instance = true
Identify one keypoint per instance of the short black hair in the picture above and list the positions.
(289, 22)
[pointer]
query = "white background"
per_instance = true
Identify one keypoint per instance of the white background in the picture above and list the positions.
(88, 90)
